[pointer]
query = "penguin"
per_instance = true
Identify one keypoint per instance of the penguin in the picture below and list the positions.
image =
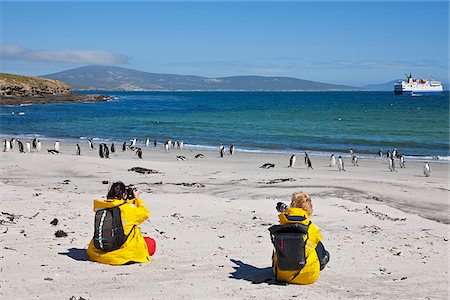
(308, 161)
(147, 142)
(20, 146)
(100, 150)
(28, 145)
(268, 166)
(402, 161)
(427, 170)
(332, 160)
(380, 153)
(34, 143)
(177, 143)
(113, 148)
(221, 147)
(181, 144)
(56, 146)
(7, 146)
(351, 152)
(4, 145)
(38, 146)
(199, 156)
(77, 150)
(232, 149)
(139, 152)
(355, 160)
(11, 143)
(169, 143)
(180, 157)
(52, 151)
(340, 164)
(91, 145)
(166, 146)
(222, 151)
(391, 164)
(133, 142)
(292, 161)
(105, 151)
(124, 146)
(394, 153)
(155, 143)
(388, 153)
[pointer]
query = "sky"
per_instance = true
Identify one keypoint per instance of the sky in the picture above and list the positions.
(353, 42)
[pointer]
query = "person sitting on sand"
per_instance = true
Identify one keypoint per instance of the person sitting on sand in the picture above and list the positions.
(133, 212)
(315, 254)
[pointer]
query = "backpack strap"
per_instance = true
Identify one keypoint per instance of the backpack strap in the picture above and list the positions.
(307, 237)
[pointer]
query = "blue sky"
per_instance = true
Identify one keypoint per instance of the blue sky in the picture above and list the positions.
(355, 42)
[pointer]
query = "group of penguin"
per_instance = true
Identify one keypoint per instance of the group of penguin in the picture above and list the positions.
(104, 152)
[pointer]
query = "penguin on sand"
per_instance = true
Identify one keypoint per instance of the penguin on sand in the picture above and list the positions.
(113, 148)
(91, 145)
(124, 146)
(355, 160)
(292, 161)
(28, 145)
(340, 164)
(77, 150)
(38, 146)
(402, 161)
(391, 164)
(147, 142)
(56, 146)
(105, 151)
(308, 161)
(100, 151)
(427, 170)
(232, 149)
(139, 152)
(332, 160)
(20, 146)
(222, 150)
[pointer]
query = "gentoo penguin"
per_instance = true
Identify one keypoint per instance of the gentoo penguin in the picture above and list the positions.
(124, 146)
(77, 150)
(180, 157)
(105, 151)
(308, 162)
(380, 152)
(169, 143)
(4, 145)
(56, 146)
(232, 149)
(11, 143)
(28, 145)
(306, 158)
(391, 164)
(332, 160)
(155, 143)
(113, 148)
(33, 143)
(20, 146)
(292, 161)
(388, 153)
(133, 142)
(199, 156)
(100, 150)
(166, 146)
(427, 170)
(267, 166)
(394, 153)
(147, 142)
(351, 152)
(181, 144)
(222, 151)
(91, 145)
(139, 152)
(177, 143)
(38, 146)
(7, 146)
(340, 164)
(355, 160)
(402, 161)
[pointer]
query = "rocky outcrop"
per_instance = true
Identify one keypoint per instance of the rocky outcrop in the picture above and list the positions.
(26, 86)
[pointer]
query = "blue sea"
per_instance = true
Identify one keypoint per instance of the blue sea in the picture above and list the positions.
(289, 122)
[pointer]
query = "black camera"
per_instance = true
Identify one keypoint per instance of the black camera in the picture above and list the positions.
(282, 207)
(129, 191)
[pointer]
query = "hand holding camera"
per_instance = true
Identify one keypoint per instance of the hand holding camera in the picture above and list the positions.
(131, 192)
(281, 207)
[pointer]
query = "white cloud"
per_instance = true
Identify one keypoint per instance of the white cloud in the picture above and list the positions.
(98, 57)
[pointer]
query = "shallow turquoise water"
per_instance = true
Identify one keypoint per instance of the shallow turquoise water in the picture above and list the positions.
(270, 121)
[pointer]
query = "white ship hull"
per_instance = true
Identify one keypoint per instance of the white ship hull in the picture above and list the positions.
(417, 87)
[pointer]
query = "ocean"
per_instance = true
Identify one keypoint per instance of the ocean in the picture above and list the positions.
(286, 122)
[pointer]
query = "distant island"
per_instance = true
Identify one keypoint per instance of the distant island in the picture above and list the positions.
(110, 78)
(17, 89)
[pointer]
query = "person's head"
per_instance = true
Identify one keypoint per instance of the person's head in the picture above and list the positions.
(117, 191)
(303, 201)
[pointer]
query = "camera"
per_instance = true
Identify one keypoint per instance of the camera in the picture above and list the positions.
(282, 207)
(129, 191)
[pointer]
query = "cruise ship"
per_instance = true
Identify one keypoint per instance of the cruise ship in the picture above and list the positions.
(417, 86)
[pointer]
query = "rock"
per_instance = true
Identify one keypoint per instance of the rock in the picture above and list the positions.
(60, 233)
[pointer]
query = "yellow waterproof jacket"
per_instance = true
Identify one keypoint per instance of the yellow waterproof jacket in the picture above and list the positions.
(134, 249)
(311, 270)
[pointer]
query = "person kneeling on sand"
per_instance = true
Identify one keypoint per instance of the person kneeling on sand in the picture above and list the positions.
(299, 254)
(117, 239)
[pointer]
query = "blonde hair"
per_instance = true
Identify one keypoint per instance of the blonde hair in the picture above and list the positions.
(302, 200)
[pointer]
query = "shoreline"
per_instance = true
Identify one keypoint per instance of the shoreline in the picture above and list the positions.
(50, 99)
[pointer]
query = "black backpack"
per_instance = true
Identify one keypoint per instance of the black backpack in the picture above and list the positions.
(108, 229)
(289, 242)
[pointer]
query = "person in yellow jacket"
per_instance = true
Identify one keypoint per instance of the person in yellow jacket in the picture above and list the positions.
(317, 257)
(133, 212)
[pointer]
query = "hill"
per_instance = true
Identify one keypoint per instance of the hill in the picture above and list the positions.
(111, 78)
(388, 86)
(26, 86)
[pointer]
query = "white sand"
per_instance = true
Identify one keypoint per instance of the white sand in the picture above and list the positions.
(212, 241)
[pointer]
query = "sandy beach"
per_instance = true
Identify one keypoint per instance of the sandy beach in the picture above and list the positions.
(387, 232)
